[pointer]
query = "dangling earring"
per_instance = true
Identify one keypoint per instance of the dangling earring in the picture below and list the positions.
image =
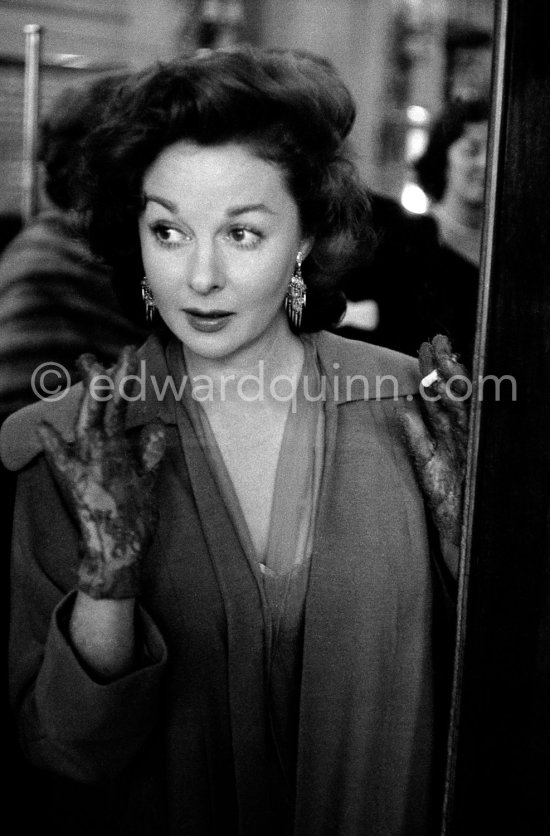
(295, 299)
(148, 300)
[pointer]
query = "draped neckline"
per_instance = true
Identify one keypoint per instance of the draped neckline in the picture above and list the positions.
(297, 480)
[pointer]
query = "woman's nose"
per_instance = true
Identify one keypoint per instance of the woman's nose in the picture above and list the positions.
(205, 273)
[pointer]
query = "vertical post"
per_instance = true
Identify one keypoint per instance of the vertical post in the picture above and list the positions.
(502, 750)
(489, 252)
(29, 202)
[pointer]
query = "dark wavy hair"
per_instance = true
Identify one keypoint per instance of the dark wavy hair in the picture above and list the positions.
(431, 167)
(62, 131)
(288, 107)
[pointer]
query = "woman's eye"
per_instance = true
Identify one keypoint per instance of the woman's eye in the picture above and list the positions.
(245, 238)
(167, 235)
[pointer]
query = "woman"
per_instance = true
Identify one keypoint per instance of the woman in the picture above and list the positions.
(423, 277)
(232, 618)
(452, 173)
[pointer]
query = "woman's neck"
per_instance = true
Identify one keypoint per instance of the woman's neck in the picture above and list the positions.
(460, 227)
(247, 375)
(468, 215)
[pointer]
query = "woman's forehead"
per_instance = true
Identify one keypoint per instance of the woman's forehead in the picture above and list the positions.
(229, 176)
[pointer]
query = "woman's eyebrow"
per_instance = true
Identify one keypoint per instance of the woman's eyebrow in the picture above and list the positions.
(153, 198)
(249, 207)
(231, 213)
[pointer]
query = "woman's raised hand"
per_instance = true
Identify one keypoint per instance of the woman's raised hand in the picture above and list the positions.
(108, 484)
(438, 440)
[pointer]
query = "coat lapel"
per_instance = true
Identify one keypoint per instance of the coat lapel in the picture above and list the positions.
(367, 653)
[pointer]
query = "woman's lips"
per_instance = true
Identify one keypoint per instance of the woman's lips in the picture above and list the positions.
(207, 321)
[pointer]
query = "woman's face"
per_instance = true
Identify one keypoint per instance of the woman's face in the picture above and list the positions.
(466, 159)
(219, 235)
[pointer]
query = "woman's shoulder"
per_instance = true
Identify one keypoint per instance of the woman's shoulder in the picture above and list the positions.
(388, 373)
(19, 442)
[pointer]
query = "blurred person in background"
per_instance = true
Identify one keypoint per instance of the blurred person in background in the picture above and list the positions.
(423, 276)
(452, 173)
(56, 298)
(56, 302)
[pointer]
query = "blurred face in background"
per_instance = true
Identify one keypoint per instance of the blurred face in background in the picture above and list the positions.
(466, 160)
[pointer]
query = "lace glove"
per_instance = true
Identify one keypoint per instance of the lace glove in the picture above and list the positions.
(438, 440)
(107, 484)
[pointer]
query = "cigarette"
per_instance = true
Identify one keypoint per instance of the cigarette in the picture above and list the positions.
(430, 378)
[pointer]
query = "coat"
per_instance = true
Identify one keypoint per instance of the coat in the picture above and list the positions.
(56, 302)
(185, 738)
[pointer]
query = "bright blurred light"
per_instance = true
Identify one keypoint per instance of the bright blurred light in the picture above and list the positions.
(414, 199)
(69, 59)
(418, 115)
(416, 141)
